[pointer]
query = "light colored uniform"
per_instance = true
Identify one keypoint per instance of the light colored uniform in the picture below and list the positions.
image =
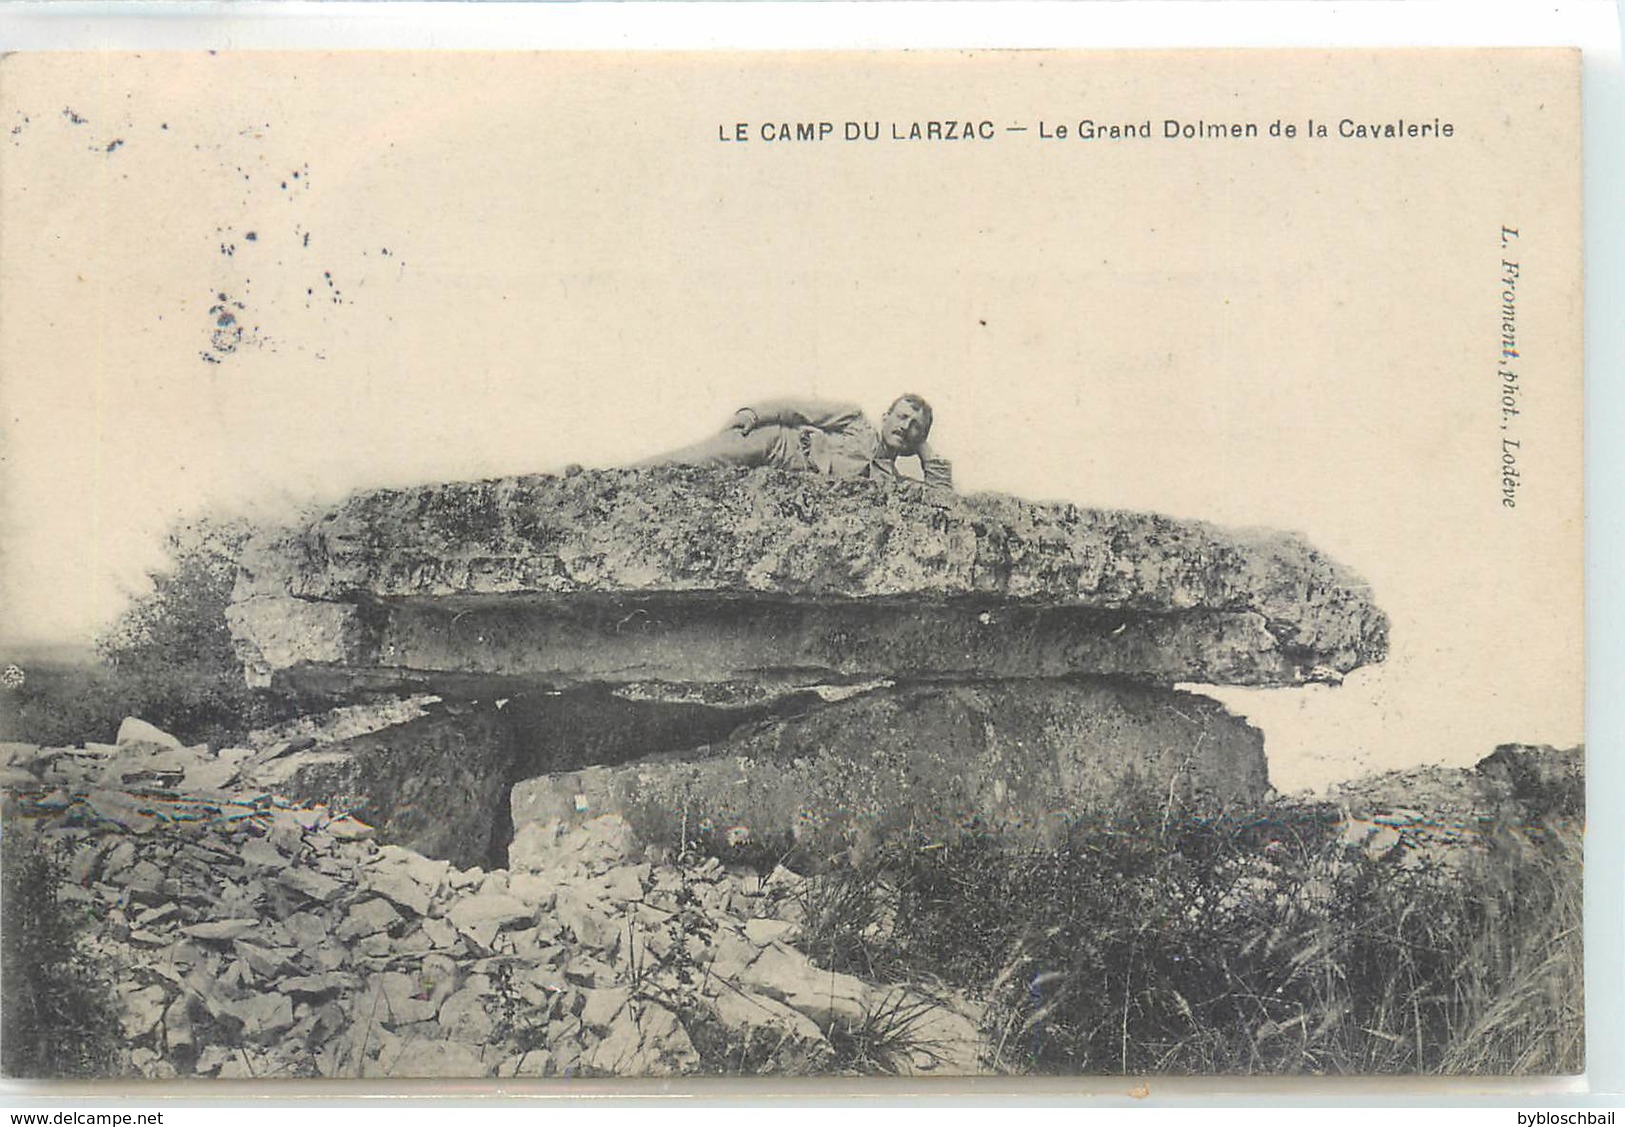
(795, 434)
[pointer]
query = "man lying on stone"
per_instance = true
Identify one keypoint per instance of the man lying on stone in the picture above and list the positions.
(825, 438)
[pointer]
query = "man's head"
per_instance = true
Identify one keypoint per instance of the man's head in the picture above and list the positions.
(904, 427)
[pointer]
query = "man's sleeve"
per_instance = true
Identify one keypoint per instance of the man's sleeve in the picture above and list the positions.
(834, 417)
(936, 471)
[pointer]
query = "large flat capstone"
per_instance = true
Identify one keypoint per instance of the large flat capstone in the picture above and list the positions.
(688, 575)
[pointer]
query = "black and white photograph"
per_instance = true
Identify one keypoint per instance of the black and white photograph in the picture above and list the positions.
(529, 568)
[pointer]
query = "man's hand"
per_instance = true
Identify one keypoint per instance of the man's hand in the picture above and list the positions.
(745, 420)
(937, 470)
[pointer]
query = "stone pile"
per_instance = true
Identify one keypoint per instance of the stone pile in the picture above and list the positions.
(787, 657)
(1442, 815)
(253, 936)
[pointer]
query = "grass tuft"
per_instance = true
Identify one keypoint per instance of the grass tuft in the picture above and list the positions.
(1152, 940)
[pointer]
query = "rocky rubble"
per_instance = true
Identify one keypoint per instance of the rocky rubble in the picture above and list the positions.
(1440, 815)
(253, 936)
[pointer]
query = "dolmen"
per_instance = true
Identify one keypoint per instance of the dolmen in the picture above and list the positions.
(776, 659)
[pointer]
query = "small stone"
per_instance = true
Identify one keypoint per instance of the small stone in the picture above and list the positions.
(602, 1004)
(742, 1010)
(430, 1060)
(208, 775)
(823, 995)
(532, 889)
(624, 884)
(211, 1058)
(263, 961)
(481, 916)
(119, 858)
(178, 1035)
(731, 955)
(401, 888)
(404, 999)
(145, 880)
(349, 828)
(142, 1009)
(136, 731)
(313, 885)
(438, 976)
(376, 946)
(263, 1016)
(316, 985)
(427, 871)
(330, 956)
(258, 853)
(464, 1018)
(287, 832)
(368, 918)
(222, 930)
(414, 942)
(121, 810)
(536, 1063)
(149, 916)
(306, 930)
(762, 931)
(585, 971)
(439, 932)
(586, 919)
(17, 778)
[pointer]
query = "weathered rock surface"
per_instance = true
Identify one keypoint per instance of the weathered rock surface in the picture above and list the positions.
(687, 575)
(1021, 758)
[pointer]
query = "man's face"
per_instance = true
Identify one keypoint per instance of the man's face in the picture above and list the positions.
(903, 428)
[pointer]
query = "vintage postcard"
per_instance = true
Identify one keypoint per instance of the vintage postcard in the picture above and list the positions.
(523, 567)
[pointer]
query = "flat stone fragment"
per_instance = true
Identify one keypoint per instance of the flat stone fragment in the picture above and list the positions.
(121, 809)
(312, 884)
(400, 889)
(464, 1018)
(263, 1016)
(137, 731)
(430, 1059)
(481, 916)
(368, 918)
(825, 996)
(687, 575)
(222, 930)
(316, 985)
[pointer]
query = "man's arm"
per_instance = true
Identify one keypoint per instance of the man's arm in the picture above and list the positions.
(834, 417)
(936, 470)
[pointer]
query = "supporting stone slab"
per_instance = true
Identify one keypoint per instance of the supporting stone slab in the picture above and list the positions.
(1022, 759)
(437, 785)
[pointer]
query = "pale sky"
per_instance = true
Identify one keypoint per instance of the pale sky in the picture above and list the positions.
(459, 266)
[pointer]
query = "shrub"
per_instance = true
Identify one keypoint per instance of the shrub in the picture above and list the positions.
(168, 659)
(59, 1018)
(1151, 941)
